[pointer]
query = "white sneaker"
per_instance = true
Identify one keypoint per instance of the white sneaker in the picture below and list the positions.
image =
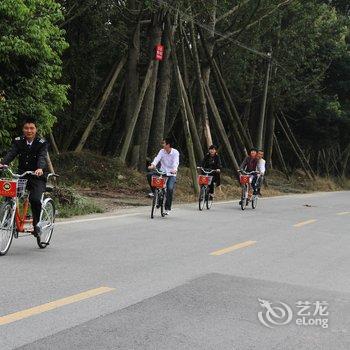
(166, 212)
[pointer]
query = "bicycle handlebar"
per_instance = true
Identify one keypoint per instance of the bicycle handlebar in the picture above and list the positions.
(206, 171)
(18, 176)
(160, 172)
(248, 173)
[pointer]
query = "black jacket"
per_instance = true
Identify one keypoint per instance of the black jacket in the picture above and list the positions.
(30, 158)
(210, 162)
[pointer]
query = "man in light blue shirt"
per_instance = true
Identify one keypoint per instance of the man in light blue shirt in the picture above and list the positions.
(168, 161)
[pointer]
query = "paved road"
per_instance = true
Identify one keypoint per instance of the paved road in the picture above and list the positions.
(189, 281)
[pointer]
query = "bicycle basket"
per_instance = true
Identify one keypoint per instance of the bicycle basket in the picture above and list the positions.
(158, 182)
(244, 179)
(21, 187)
(204, 180)
(8, 188)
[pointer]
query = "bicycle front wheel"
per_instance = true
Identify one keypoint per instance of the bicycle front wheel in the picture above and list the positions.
(244, 197)
(154, 203)
(7, 227)
(201, 199)
(209, 199)
(254, 201)
(46, 223)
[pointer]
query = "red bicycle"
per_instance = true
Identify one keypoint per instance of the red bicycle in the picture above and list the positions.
(14, 218)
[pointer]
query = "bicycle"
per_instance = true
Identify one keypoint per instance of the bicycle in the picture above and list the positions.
(244, 179)
(204, 182)
(158, 183)
(14, 221)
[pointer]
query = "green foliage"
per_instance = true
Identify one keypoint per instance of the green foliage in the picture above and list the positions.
(31, 45)
(69, 203)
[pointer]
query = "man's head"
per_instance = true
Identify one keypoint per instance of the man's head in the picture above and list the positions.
(167, 144)
(29, 128)
(253, 152)
(260, 154)
(212, 150)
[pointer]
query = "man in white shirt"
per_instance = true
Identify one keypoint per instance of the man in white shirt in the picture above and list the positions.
(168, 160)
(261, 167)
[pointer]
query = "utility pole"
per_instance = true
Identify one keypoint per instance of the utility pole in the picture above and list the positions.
(263, 105)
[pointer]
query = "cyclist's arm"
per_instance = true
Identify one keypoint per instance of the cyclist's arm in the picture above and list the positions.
(157, 159)
(244, 163)
(262, 166)
(176, 162)
(42, 155)
(204, 162)
(11, 155)
(219, 164)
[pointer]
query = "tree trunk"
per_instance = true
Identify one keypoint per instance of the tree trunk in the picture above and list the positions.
(187, 132)
(211, 21)
(112, 141)
(297, 146)
(221, 128)
(162, 98)
(54, 144)
(303, 165)
(260, 138)
(200, 83)
(345, 161)
(188, 137)
(132, 70)
(148, 104)
(270, 129)
(280, 156)
(101, 104)
(196, 140)
(134, 117)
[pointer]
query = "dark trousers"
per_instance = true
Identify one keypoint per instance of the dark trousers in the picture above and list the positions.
(257, 182)
(216, 181)
(36, 187)
(170, 184)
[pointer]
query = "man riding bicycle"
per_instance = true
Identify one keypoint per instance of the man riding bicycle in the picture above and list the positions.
(168, 160)
(261, 168)
(32, 152)
(212, 161)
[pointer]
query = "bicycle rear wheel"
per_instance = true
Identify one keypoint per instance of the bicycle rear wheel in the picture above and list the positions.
(244, 197)
(154, 203)
(46, 223)
(201, 199)
(7, 227)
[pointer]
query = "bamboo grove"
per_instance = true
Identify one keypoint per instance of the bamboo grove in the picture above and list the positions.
(268, 73)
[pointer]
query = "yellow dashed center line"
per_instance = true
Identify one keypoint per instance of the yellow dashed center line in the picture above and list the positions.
(303, 223)
(232, 248)
(344, 213)
(53, 305)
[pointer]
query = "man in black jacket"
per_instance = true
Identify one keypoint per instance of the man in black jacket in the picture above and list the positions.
(212, 161)
(32, 152)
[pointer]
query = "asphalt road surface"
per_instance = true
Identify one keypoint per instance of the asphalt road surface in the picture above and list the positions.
(274, 278)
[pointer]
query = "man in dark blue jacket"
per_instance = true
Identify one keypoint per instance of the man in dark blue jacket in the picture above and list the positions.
(31, 151)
